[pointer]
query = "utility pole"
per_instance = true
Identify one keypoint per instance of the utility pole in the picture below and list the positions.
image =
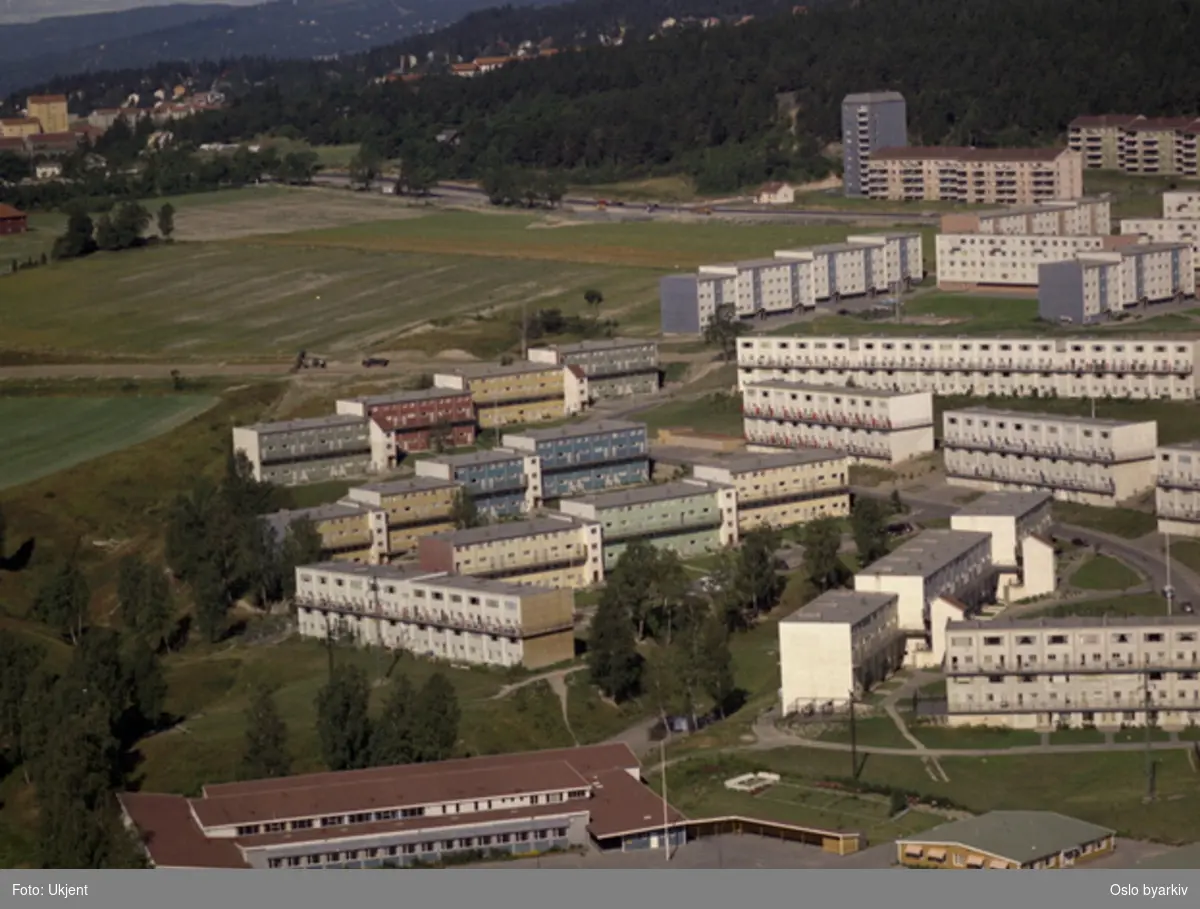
(1093, 400)
(1170, 591)
(662, 753)
(853, 741)
(1149, 754)
(524, 333)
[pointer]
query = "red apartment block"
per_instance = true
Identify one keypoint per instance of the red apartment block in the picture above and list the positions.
(415, 418)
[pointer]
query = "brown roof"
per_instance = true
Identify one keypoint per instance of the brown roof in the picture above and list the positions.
(1155, 124)
(19, 121)
(464, 67)
(771, 187)
(418, 784)
(47, 99)
(1104, 120)
(7, 212)
(54, 139)
(951, 153)
(171, 835)
(12, 143)
(489, 61)
(625, 805)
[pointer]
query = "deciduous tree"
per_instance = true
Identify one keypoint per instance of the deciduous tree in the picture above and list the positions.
(435, 719)
(265, 754)
(343, 726)
(613, 661)
(868, 523)
(822, 539)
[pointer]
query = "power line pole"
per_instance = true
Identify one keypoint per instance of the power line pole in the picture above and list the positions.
(1149, 753)
(853, 741)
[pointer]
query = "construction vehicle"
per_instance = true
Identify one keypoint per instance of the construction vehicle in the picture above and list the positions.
(368, 362)
(304, 361)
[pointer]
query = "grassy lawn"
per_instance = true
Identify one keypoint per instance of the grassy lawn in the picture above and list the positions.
(319, 493)
(1134, 736)
(1133, 196)
(594, 719)
(697, 788)
(1076, 737)
(866, 475)
(1120, 522)
(934, 690)
(1138, 604)
(1187, 552)
(1104, 573)
(716, 413)
(40, 436)
(43, 229)
(875, 731)
(677, 189)
(974, 737)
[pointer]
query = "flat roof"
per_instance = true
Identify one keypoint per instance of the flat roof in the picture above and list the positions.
(926, 553)
(1020, 836)
(659, 492)
(1078, 621)
(423, 394)
(571, 430)
(841, 606)
(361, 570)
(335, 419)
(411, 484)
(870, 97)
(604, 344)
(746, 342)
(1041, 207)
(1192, 445)
(1139, 249)
(1005, 503)
(510, 530)
(485, 370)
(1044, 417)
(286, 516)
(856, 391)
(750, 461)
(487, 456)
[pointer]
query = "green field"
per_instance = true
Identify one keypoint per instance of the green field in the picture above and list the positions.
(1120, 522)
(42, 435)
(1138, 604)
(1133, 196)
(43, 229)
(1104, 573)
(715, 413)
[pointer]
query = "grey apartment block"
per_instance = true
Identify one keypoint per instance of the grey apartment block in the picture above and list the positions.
(870, 121)
(615, 368)
(679, 302)
(1060, 294)
(295, 452)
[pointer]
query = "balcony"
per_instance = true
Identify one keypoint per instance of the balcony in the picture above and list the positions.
(1021, 447)
(1178, 513)
(1042, 480)
(436, 618)
(811, 417)
(505, 568)
(797, 440)
(1178, 481)
(666, 528)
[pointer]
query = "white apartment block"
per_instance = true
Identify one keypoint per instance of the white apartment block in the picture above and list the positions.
(1130, 367)
(1177, 496)
(1009, 517)
(935, 564)
(450, 617)
(973, 260)
(1181, 203)
(1096, 286)
(1078, 459)
(837, 647)
(1165, 230)
(868, 424)
(1076, 671)
(1090, 217)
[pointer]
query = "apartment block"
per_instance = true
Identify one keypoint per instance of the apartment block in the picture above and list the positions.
(1144, 368)
(980, 176)
(966, 261)
(688, 517)
(1098, 140)
(551, 551)
(518, 393)
(349, 531)
(793, 279)
(417, 420)
(50, 111)
(1088, 217)
(1076, 671)
(1177, 495)
(1078, 459)
(502, 483)
(1136, 144)
(936, 563)
(1009, 518)
(870, 121)
(1165, 230)
(448, 617)
(294, 452)
(410, 815)
(1181, 203)
(868, 424)
(411, 508)
(837, 647)
(1095, 287)
(780, 489)
(586, 457)
(614, 368)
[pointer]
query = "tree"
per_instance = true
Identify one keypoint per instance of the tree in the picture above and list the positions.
(77, 240)
(594, 299)
(393, 738)
(212, 604)
(62, 601)
(822, 540)
(166, 220)
(758, 579)
(144, 599)
(106, 235)
(868, 522)
(129, 222)
(613, 662)
(628, 584)
(667, 587)
(265, 754)
(435, 719)
(146, 688)
(716, 662)
(302, 545)
(724, 329)
(553, 188)
(464, 512)
(343, 727)
(19, 661)
(897, 503)
(364, 166)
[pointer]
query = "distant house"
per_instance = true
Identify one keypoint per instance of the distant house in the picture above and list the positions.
(14, 145)
(449, 137)
(48, 170)
(489, 64)
(12, 220)
(52, 143)
(19, 127)
(776, 194)
(464, 70)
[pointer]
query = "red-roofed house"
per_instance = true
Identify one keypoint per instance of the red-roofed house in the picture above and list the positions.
(464, 70)
(409, 814)
(12, 220)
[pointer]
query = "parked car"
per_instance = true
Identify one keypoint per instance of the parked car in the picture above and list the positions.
(374, 361)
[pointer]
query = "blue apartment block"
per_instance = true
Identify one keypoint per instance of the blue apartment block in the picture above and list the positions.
(502, 483)
(586, 457)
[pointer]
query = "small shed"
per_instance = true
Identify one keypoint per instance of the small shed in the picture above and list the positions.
(12, 220)
(776, 194)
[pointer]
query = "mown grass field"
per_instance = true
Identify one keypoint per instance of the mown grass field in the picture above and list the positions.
(1104, 573)
(1138, 604)
(42, 435)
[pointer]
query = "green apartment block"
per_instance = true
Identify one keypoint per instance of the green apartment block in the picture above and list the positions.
(687, 516)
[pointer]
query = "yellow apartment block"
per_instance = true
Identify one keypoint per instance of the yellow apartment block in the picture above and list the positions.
(519, 393)
(18, 127)
(347, 531)
(414, 508)
(779, 489)
(986, 176)
(50, 111)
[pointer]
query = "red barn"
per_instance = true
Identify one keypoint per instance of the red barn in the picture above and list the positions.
(12, 220)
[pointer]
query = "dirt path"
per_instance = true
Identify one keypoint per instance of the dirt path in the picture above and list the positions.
(557, 680)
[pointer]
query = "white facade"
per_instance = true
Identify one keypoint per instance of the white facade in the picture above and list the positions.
(1077, 217)
(1177, 496)
(1043, 673)
(754, 286)
(1004, 259)
(464, 619)
(1091, 461)
(1181, 203)
(954, 563)
(837, 647)
(1165, 230)
(868, 424)
(1009, 517)
(1130, 367)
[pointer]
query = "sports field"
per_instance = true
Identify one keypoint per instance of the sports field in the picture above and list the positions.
(42, 435)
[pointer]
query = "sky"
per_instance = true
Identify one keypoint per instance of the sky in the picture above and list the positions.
(31, 10)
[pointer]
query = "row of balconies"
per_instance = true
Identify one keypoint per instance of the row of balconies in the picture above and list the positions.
(1041, 479)
(1177, 512)
(1178, 481)
(965, 364)
(416, 616)
(1026, 664)
(967, 704)
(827, 418)
(1022, 447)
